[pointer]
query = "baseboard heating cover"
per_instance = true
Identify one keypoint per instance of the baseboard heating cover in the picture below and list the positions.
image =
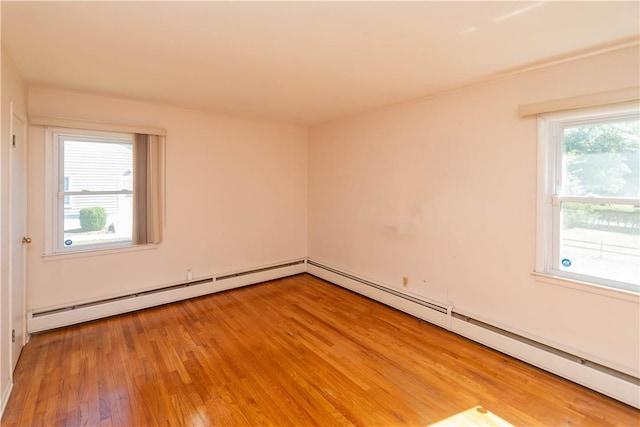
(42, 320)
(611, 382)
(430, 311)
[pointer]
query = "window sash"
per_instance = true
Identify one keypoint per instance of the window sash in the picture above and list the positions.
(60, 138)
(550, 157)
(557, 134)
(556, 200)
(556, 257)
(92, 192)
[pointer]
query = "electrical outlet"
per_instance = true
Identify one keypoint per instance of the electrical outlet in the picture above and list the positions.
(405, 281)
(189, 275)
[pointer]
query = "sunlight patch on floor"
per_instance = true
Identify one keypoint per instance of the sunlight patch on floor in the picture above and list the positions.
(476, 416)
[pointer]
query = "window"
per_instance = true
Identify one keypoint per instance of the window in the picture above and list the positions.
(104, 190)
(589, 196)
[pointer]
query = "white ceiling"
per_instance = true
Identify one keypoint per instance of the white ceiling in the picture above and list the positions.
(304, 62)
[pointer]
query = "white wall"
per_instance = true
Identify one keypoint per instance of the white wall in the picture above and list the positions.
(236, 199)
(13, 90)
(443, 191)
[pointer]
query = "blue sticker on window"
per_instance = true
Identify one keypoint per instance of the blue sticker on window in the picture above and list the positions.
(566, 262)
(68, 242)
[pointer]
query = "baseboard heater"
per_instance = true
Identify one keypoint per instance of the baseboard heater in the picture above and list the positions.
(623, 386)
(42, 320)
(260, 270)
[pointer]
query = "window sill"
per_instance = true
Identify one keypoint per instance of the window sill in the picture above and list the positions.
(97, 252)
(587, 287)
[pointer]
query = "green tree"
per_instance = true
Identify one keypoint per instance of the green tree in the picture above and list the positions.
(603, 159)
(93, 219)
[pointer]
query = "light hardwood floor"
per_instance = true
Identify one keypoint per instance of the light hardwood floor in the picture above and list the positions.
(296, 351)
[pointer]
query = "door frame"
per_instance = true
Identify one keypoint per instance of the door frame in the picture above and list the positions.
(12, 234)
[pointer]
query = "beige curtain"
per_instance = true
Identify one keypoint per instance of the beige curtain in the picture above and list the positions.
(148, 189)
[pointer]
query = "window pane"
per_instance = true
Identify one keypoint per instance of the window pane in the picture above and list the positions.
(98, 219)
(602, 159)
(98, 166)
(601, 241)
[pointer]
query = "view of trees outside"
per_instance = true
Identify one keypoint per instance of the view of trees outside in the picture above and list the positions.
(602, 159)
(602, 239)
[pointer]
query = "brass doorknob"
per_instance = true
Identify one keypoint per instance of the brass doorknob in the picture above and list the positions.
(26, 240)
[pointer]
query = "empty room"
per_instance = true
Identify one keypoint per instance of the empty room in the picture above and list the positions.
(320, 213)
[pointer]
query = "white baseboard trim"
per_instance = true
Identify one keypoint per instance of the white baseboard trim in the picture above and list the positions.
(38, 321)
(6, 393)
(244, 278)
(605, 383)
(425, 310)
(603, 379)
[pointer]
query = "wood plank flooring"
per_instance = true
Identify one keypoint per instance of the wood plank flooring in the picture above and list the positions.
(292, 352)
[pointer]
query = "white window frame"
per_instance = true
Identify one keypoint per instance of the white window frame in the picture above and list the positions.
(548, 202)
(54, 198)
(67, 186)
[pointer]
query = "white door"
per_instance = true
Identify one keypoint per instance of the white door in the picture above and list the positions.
(18, 233)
